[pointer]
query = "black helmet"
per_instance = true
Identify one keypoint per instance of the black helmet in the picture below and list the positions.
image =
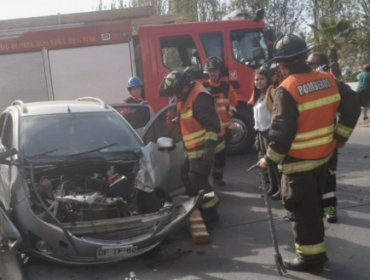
(174, 82)
(288, 47)
(212, 63)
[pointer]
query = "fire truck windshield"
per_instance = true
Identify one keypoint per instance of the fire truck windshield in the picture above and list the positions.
(249, 47)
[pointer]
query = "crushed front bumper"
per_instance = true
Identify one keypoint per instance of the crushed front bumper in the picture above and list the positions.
(130, 236)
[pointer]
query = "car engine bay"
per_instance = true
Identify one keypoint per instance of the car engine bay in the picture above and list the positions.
(92, 192)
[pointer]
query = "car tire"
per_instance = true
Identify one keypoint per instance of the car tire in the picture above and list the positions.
(243, 134)
(148, 202)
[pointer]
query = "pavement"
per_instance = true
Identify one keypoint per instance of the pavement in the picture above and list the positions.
(241, 245)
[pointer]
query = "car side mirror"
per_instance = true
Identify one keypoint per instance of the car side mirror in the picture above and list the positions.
(166, 144)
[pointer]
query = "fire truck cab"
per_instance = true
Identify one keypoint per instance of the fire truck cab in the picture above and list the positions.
(68, 61)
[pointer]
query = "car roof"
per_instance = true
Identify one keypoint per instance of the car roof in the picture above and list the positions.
(61, 107)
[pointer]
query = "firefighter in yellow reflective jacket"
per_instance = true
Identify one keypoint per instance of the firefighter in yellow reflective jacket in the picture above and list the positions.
(200, 125)
(226, 100)
(303, 137)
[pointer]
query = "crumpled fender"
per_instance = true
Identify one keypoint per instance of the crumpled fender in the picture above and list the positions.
(9, 231)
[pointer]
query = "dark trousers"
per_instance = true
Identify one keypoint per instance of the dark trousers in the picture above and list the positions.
(329, 198)
(194, 175)
(302, 194)
(273, 173)
(219, 165)
(220, 159)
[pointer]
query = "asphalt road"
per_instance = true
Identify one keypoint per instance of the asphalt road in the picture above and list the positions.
(241, 244)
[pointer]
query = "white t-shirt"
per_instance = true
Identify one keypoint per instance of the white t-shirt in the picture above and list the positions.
(262, 116)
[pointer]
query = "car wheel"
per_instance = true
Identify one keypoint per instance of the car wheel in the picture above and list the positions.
(242, 133)
(149, 202)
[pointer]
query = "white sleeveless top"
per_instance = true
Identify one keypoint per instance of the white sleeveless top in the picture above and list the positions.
(262, 116)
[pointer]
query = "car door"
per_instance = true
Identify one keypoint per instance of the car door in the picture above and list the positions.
(161, 126)
(6, 126)
(137, 115)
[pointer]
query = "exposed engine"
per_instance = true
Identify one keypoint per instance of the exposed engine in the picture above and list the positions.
(85, 194)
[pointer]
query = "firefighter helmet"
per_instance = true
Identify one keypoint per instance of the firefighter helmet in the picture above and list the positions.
(212, 63)
(134, 82)
(288, 47)
(174, 82)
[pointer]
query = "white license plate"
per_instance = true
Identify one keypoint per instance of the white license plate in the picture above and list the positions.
(110, 253)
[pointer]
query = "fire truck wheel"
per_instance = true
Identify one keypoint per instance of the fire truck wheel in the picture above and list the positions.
(242, 133)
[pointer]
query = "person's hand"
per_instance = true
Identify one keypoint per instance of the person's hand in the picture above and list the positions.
(209, 156)
(263, 164)
(340, 144)
(231, 112)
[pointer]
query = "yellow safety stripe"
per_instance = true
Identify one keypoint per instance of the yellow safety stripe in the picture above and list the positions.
(211, 136)
(186, 114)
(217, 170)
(195, 154)
(301, 166)
(310, 249)
(343, 131)
(210, 204)
(232, 108)
(194, 141)
(221, 100)
(226, 123)
(194, 135)
(314, 133)
(220, 146)
(319, 102)
(312, 143)
(223, 108)
(199, 153)
(274, 156)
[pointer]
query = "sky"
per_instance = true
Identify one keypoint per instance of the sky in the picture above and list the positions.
(11, 9)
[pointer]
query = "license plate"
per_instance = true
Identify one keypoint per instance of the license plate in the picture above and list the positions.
(110, 253)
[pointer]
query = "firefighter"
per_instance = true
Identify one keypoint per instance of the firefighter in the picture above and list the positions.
(135, 88)
(319, 61)
(199, 125)
(133, 115)
(303, 137)
(226, 100)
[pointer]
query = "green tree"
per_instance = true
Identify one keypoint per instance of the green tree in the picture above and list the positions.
(285, 15)
(161, 6)
(333, 36)
(188, 8)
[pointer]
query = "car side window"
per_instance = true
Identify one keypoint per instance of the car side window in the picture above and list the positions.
(136, 115)
(163, 126)
(213, 44)
(7, 132)
(249, 47)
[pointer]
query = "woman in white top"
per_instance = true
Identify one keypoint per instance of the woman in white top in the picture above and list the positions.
(262, 100)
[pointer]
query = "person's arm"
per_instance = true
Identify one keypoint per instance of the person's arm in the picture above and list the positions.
(233, 100)
(284, 125)
(204, 112)
(349, 111)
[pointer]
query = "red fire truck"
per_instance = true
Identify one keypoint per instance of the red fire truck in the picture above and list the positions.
(66, 62)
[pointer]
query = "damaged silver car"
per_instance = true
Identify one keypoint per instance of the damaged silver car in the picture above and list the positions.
(78, 185)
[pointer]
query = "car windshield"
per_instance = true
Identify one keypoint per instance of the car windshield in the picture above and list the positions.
(78, 133)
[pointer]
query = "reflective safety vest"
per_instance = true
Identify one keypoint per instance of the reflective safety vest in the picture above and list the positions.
(220, 94)
(317, 97)
(193, 133)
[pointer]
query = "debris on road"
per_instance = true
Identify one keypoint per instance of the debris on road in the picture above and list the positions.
(198, 229)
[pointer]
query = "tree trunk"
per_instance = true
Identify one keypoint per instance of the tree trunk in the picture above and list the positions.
(334, 59)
